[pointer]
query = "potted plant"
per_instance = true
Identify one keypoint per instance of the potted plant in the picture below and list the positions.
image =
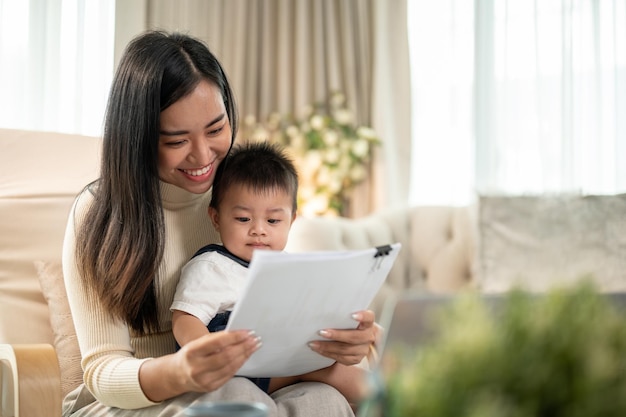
(558, 354)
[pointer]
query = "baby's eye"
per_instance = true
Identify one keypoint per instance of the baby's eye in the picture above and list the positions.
(242, 219)
(273, 221)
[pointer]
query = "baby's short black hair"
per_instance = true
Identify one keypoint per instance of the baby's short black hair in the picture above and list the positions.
(261, 166)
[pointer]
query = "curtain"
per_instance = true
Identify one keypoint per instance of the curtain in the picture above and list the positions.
(284, 55)
(521, 97)
(552, 114)
(56, 64)
(442, 82)
(391, 107)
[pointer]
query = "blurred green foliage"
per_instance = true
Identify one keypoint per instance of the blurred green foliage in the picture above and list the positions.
(561, 354)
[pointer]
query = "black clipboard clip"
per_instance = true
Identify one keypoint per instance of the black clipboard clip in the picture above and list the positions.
(381, 252)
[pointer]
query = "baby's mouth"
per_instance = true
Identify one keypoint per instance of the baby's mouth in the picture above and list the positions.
(258, 245)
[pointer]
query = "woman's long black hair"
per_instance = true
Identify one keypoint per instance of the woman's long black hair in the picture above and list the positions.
(120, 244)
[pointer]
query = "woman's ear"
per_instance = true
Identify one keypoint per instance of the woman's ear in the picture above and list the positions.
(214, 216)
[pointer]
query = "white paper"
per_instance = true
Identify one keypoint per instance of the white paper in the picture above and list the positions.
(289, 297)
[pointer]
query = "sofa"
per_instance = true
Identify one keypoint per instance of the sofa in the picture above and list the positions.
(40, 174)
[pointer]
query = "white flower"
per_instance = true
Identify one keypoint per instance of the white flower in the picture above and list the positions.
(331, 138)
(366, 132)
(312, 162)
(332, 155)
(292, 131)
(323, 175)
(335, 184)
(360, 148)
(317, 122)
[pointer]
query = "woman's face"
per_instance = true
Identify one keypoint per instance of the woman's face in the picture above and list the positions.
(195, 136)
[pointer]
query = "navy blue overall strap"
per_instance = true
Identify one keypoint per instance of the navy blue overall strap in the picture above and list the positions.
(221, 250)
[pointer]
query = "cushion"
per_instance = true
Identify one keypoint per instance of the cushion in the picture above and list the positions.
(66, 345)
(540, 242)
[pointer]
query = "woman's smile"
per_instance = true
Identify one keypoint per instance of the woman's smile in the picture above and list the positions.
(198, 174)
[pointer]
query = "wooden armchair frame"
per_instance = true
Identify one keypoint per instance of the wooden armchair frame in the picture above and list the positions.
(30, 381)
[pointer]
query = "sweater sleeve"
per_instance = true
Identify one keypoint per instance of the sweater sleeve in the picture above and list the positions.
(110, 370)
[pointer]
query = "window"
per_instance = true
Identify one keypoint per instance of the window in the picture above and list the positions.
(517, 97)
(442, 68)
(56, 64)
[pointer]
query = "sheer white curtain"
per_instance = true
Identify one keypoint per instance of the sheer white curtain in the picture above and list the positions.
(442, 75)
(518, 97)
(56, 64)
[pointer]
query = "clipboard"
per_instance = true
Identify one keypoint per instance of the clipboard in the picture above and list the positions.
(290, 297)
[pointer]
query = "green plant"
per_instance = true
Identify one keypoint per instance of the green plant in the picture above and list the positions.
(330, 150)
(562, 354)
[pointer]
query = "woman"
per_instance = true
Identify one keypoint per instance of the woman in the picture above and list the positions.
(171, 120)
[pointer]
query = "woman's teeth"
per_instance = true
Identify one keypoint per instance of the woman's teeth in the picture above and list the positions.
(197, 172)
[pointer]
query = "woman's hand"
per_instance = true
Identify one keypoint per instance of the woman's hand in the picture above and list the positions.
(210, 361)
(349, 347)
(202, 365)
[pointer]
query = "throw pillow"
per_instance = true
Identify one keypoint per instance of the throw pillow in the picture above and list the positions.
(50, 276)
(540, 242)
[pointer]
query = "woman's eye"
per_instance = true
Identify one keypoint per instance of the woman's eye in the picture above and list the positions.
(175, 143)
(216, 131)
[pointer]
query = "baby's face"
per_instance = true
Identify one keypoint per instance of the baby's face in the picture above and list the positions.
(249, 220)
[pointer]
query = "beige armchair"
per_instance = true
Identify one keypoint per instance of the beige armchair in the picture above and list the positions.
(40, 174)
(31, 381)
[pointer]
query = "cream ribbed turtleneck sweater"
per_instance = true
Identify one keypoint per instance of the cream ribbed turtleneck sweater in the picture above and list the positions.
(111, 356)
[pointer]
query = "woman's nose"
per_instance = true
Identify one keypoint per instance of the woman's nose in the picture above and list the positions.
(200, 152)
